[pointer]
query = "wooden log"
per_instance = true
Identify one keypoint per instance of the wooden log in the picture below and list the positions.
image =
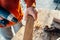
(28, 35)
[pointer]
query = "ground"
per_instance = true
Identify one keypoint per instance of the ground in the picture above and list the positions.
(45, 4)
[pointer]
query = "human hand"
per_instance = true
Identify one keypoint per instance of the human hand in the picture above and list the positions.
(31, 11)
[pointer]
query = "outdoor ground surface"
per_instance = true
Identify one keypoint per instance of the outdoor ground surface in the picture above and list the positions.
(45, 17)
(46, 4)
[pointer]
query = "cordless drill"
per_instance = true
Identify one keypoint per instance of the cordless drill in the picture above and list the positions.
(7, 15)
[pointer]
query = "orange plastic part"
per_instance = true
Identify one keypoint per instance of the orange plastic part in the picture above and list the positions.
(13, 7)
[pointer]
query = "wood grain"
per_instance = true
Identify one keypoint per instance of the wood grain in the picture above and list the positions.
(28, 35)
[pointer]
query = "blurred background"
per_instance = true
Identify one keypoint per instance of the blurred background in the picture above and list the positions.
(46, 4)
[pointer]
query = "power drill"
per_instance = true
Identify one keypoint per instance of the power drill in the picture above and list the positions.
(4, 22)
(7, 15)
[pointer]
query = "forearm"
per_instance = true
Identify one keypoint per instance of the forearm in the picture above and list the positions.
(30, 3)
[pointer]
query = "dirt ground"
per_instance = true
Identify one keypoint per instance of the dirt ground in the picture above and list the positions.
(45, 17)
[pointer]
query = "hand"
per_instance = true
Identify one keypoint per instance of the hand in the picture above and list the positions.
(31, 11)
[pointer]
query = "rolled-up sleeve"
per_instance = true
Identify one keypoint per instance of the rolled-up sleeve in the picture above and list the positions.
(29, 3)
